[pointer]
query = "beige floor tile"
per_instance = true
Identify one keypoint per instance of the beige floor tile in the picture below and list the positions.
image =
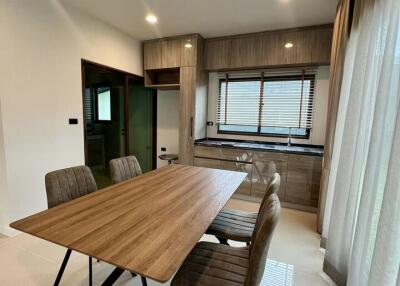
(19, 267)
(294, 256)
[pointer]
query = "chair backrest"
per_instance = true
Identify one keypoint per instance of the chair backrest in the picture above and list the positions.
(67, 184)
(124, 168)
(272, 188)
(265, 225)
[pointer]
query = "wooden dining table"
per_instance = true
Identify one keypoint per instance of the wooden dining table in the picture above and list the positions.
(147, 225)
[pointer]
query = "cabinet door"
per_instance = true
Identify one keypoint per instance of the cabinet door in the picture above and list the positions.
(246, 52)
(186, 119)
(264, 165)
(208, 163)
(245, 187)
(171, 53)
(189, 51)
(303, 179)
(322, 46)
(207, 152)
(237, 155)
(152, 55)
(217, 54)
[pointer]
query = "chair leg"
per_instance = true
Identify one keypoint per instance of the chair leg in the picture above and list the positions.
(90, 272)
(222, 240)
(144, 281)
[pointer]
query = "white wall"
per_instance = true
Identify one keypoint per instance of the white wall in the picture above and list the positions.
(317, 134)
(42, 44)
(167, 123)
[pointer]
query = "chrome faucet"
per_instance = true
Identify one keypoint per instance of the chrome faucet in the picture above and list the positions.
(289, 137)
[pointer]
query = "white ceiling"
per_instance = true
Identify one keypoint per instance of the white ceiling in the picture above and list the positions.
(210, 18)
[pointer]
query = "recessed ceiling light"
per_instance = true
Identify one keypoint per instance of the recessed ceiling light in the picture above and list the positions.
(188, 44)
(152, 19)
(289, 45)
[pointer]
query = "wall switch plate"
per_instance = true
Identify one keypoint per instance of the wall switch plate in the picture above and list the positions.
(163, 149)
(73, 121)
(210, 123)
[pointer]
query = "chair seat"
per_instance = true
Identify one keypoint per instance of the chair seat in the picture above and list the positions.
(234, 225)
(214, 264)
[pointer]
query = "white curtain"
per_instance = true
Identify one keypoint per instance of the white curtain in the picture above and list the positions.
(362, 219)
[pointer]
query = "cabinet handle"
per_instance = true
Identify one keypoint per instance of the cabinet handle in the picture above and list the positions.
(191, 126)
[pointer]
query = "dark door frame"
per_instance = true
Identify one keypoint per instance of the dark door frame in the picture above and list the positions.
(128, 76)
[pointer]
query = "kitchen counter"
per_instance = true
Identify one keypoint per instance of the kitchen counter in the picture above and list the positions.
(312, 150)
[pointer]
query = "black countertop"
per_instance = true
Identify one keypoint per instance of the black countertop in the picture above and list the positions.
(313, 150)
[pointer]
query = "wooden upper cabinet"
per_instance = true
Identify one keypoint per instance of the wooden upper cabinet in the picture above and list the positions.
(275, 53)
(189, 54)
(217, 54)
(311, 46)
(171, 53)
(272, 52)
(152, 55)
(322, 46)
(246, 52)
(187, 100)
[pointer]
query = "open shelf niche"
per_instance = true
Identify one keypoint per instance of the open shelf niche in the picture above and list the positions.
(163, 78)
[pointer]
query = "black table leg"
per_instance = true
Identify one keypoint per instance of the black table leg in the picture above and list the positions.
(62, 268)
(90, 272)
(144, 281)
(113, 277)
(222, 240)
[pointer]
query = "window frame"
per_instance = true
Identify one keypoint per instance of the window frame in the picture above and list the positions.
(264, 79)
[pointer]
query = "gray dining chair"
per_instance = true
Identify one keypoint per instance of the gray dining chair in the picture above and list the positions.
(124, 168)
(239, 225)
(63, 186)
(222, 265)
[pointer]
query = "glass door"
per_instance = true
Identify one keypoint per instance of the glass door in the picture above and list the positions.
(141, 122)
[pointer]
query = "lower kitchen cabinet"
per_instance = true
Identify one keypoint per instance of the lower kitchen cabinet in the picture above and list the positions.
(265, 164)
(300, 174)
(245, 187)
(208, 163)
(303, 179)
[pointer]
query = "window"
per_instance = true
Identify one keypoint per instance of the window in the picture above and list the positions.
(103, 104)
(266, 103)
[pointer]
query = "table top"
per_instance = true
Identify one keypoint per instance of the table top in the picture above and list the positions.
(147, 225)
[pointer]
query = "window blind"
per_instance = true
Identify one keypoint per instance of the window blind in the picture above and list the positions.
(279, 98)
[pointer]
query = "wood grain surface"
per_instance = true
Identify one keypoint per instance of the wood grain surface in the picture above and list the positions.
(147, 225)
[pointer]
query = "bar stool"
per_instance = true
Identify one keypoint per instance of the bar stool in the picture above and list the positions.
(169, 157)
